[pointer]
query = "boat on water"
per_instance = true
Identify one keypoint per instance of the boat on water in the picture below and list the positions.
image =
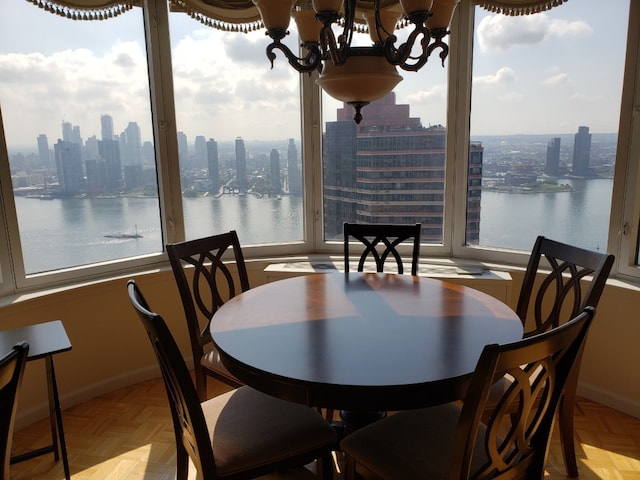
(123, 235)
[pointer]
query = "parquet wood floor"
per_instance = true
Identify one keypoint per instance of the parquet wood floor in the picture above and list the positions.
(127, 434)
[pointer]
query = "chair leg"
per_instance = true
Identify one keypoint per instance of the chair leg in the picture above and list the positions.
(567, 435)
(201, 383)
(325, 466)
(349, 468)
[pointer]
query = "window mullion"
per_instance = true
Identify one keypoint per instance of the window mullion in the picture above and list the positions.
(156, 14)
(624, 228)
(459, 98)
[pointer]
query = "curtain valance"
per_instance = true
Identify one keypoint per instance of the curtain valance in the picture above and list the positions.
(239, 15)
(518, 7)
(86, 9)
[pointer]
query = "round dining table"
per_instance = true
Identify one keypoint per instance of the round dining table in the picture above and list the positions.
(360, 341)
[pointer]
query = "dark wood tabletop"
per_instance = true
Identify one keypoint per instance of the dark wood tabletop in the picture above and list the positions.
(361, 341)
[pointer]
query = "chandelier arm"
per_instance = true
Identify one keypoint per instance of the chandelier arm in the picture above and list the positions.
(438, 42)
(399, 56)
(349, 20)
(310, 62)
(329, 45)
(378, 23)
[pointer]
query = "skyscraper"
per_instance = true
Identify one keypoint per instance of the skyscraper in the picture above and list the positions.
(391, 169)
(241, 165)
(274, 164)
(183, 148)
(109, 151)
(67, 131)
(552, 163)
(69, 167)
(294, 176)
(106, 123)
(43, 150)
(133, 145)
(201, 152)
(213, 165)
(581, 152)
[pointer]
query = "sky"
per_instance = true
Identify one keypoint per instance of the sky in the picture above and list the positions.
(540, 74)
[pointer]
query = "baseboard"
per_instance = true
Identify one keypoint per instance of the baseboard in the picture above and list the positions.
(607, 398)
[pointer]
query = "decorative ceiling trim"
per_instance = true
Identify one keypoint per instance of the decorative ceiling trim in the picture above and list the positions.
(518, 7)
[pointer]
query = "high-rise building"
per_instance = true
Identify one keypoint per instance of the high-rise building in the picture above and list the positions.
(69, 167)
(552, 163)
(581, 152)
(133, 145)
(294, 176)
(474, 193)
(241, 165)
(213, 165)
(201, 152)
(67, 131)
(391, 169)
(90, 151)
(43, 150)
(109, 151)
(274, 164)
(183, 148)
(106, 124)
(148, 154)
(96, 171)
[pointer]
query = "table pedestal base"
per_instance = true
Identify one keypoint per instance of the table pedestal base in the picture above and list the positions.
(354, 419)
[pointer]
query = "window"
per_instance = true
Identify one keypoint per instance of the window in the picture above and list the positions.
(77, 124)
(545, 112)
(307, 166)
(239, 130)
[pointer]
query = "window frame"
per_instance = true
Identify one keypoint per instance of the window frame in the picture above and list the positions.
(624, 226)
(625, 204)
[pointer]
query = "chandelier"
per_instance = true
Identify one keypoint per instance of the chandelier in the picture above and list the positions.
(354, 74)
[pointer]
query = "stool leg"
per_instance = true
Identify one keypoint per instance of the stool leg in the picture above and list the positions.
(57, 432)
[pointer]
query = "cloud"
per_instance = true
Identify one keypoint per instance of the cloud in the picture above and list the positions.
(437, 93)
(500, 32)
(503, 76)
(74, 85)
(511, 97)
(560, 79)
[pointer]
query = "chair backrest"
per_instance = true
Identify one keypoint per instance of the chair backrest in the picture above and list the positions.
(561, 294)
(188, 419)
(381, 241)
(209, 284)
(516, 442)
(11, 372)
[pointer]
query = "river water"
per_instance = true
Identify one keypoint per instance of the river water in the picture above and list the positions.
(62, 233)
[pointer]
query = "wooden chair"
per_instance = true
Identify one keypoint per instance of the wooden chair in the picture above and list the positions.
(451, 442)
(547, 299)
(237, 435)
(205, 282)
(11, 373)
(380, 242)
